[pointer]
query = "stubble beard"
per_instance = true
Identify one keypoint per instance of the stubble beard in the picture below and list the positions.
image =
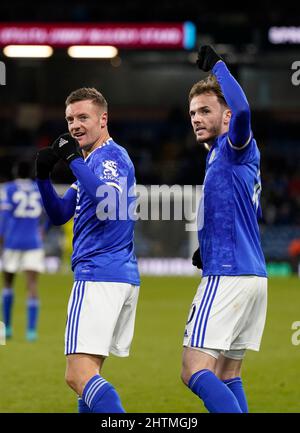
(87, 147)
(214, 132)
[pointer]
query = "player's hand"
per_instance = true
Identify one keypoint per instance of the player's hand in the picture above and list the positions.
(207, 58)
(196, 259)
(66, 148)
(44, 163)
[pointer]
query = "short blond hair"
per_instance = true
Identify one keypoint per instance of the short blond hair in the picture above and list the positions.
(87, 94)
(208, 85)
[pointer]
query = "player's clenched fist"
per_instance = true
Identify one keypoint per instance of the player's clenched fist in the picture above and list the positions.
(207, 58)
(66, 148)
(44, 163)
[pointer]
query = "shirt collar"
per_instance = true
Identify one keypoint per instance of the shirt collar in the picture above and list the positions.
(105, 143)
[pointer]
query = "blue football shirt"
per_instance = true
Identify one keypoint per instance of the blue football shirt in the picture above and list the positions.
(21, 209)
(103, 249)
(229, 209)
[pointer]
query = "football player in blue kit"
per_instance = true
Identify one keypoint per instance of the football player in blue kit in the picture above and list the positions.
(21, 233)
(102, 304)
(228, 312)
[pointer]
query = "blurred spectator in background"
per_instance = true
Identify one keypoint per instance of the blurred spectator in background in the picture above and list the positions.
(294, 252)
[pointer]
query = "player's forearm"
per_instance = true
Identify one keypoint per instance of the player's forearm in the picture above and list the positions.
(240, 123)
(59, 209)
(96, 189)
(232, 91)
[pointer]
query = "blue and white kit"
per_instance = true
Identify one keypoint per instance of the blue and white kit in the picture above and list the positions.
(103, 300)
(229, 308)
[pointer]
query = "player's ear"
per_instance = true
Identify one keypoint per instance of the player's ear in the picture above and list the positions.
(226, 116)
(103, 119)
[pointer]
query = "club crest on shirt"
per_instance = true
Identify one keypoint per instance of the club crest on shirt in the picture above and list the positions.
(212, 156)
(110, 168)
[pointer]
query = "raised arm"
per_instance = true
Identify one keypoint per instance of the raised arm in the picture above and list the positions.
(59, 209)
(93, 186)
(239, 133)
(240, 127)
(96, 189)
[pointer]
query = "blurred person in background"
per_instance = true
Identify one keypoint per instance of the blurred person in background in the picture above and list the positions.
(21, 239)
(294, 254)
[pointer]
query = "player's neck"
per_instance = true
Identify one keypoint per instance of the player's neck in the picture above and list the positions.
(98, 143)
(209, 144)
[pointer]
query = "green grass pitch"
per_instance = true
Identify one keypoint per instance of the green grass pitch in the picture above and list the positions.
(32, 374)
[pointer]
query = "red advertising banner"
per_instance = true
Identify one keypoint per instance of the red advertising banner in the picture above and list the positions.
(149, 35)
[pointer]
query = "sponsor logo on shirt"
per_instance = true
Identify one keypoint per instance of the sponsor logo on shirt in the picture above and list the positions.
(110, 170)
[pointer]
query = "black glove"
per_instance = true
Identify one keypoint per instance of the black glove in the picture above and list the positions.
(196, 260)
(66, 148)
(207, 58)
(44, 162)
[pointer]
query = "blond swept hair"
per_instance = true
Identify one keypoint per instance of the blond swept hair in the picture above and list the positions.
(87, 94)
(208, 85)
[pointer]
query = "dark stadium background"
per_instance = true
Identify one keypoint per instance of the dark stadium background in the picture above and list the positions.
(147, 97)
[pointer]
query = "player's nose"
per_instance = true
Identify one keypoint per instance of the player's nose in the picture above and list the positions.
(197, 118)
(197, 122)
(75, 125)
